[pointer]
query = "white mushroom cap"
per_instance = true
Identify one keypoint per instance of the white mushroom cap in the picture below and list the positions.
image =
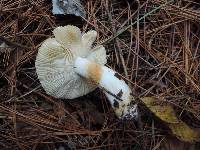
(55, 62)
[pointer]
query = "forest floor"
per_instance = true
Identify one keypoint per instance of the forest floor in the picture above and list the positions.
(153, 44)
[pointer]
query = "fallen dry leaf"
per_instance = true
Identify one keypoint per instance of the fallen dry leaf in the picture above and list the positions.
(183, 132)
(165, 112)
(65, 7)
(161, 109)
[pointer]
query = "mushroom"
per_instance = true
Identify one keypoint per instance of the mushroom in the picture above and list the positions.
(69, 67)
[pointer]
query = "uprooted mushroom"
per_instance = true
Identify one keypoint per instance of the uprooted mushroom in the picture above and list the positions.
(69, 67)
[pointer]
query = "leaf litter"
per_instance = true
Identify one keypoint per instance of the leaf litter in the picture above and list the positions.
(158, 55)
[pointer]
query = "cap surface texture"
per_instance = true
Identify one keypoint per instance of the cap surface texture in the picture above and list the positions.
(55, 62)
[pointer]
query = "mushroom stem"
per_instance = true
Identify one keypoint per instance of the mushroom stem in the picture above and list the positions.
(115, 88)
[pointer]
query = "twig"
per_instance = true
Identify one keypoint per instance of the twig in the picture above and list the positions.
(119, 32)
(13, 43)
(117, 43)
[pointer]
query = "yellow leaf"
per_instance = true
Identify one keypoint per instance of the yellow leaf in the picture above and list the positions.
(183, 132)
(161, 109)
(166, 113)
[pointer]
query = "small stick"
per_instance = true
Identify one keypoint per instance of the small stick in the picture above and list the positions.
(117, 43)
(13, 43)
